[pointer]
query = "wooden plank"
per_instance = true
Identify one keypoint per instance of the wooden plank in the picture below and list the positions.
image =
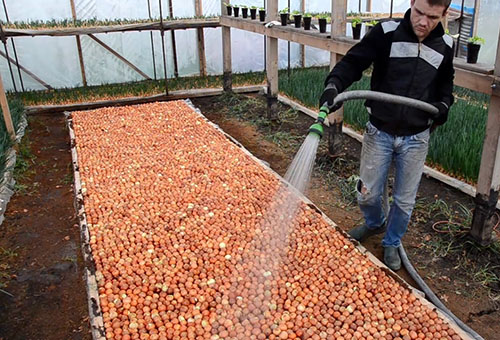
(116, 54)
(173, 95)
(201, 40)
(28, 72)
(339, 45)
(176, 24)
(79, 46)
(6, 111)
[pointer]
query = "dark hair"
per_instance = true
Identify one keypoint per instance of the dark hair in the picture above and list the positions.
(445, 3)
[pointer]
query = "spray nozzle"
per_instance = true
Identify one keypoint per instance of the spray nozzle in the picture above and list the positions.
(317, 127)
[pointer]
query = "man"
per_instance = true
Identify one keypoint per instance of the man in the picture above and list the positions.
(412, 58)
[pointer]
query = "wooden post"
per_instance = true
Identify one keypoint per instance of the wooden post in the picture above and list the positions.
(302, 47)
(477, 8)
(339, 9)
(201, 40)
(79, 45)
(226, 54)
(488, 183)
(272, 63)
(369, 6)
(6, 112)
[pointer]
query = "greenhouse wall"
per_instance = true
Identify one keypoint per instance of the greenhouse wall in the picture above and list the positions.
(55, 59)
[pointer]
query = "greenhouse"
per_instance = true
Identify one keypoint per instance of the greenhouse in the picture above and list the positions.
(210, 169)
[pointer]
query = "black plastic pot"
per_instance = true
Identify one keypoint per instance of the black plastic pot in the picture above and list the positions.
(322, 25)
(253, 13)
(236, 11)
(297, 18)
(472, 52)
(356, 31)
(244, 12)
(262, 15)
(307, 23)
(229, 10)
(284, 18)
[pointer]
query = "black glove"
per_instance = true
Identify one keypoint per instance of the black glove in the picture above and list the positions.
(328, 96)
(442, 115)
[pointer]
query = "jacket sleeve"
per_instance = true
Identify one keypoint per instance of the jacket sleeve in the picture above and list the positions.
(445, 77)
(350, 68)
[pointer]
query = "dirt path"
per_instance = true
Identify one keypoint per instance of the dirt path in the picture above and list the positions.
(41, 235)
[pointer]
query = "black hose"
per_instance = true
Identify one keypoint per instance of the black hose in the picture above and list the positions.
(432, 297)
(385, 97)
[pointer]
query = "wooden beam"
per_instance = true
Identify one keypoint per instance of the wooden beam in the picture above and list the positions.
(78, 45)
(488, 183)
(368, 5)
(176, 24)
(339, 45)
(6, 112)
(116, 54)
(201, 40)
(226, 54)
(173, 95)
(28, 72)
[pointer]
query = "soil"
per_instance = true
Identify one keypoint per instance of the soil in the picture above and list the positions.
(41, 266)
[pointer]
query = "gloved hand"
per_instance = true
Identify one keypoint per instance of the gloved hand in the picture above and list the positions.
(328, 96)
(440, 117)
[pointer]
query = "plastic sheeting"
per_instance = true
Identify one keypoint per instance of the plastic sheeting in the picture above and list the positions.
(488, 29)
(55, 59)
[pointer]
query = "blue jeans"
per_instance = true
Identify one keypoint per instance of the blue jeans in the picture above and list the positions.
(378, 151)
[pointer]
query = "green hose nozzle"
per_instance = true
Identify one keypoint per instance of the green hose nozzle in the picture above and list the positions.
(317, 127)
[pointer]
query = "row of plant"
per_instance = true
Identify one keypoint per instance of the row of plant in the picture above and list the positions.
(455, 147)
(6, 143)
(46, 24)
(245, 11)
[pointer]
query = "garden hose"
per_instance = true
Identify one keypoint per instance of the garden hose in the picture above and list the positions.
(417, 104)
(385, 97)
(432, 297)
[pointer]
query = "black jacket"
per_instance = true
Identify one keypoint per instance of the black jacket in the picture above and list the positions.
(401, 66)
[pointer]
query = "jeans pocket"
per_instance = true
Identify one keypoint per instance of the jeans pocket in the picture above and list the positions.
(422, 137)
(370, 129)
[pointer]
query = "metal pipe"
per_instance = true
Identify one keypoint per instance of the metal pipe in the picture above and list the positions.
(4, 40)
(163, 49)
(152, 44)
(14, 48)
(460, 19)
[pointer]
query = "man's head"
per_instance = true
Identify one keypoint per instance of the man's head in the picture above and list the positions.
(426, 14)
